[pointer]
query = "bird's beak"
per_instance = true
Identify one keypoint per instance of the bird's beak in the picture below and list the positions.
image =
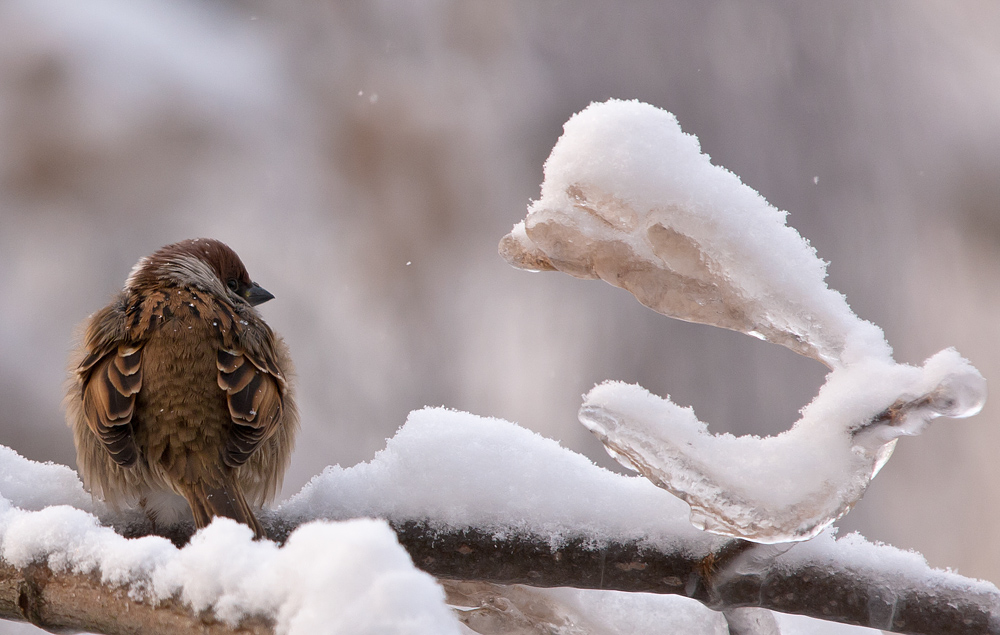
(257, 294)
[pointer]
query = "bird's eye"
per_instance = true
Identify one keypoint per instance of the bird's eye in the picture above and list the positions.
(232, 284)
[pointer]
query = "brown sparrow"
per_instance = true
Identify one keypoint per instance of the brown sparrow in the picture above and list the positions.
(179, 389)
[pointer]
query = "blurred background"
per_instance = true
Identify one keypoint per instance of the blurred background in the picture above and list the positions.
(365, 157)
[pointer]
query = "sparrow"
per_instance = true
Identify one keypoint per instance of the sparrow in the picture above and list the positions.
(179, 395)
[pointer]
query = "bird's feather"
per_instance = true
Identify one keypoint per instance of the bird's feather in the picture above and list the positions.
(110, 384)
(254, 397)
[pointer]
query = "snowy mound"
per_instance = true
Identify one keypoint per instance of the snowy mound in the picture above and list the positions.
(451, 469)
(346, 577)
(497, 477)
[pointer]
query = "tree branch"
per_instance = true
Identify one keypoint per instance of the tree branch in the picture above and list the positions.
(883, 600)
(815, 590)
(64, 602)
(886, 600)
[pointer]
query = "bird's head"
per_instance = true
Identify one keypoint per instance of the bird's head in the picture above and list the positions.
(203, 263)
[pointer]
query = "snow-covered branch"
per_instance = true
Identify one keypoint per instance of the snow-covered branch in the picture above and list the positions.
(817, 583)
(514, 515)
(739, 574)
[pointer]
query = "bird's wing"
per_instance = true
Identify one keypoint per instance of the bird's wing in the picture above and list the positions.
(110, 380)
(254, 387)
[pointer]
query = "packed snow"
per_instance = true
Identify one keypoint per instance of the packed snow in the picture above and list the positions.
(629, 198)
(448, 468)
(345, 577)
(329, 577)
(457, 470)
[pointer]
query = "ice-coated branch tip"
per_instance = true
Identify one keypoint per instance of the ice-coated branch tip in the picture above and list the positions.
(631, 199)
(952, 388)
(517, 250)
(792, 486)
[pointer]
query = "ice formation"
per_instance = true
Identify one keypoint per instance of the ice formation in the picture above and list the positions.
(485, 607)
(791, 486)
(631, 199)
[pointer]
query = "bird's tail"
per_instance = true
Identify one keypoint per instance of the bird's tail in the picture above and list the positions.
(227, 500)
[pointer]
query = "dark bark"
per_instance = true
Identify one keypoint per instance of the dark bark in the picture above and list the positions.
(886, 600)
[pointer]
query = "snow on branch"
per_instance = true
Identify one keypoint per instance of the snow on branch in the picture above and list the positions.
(630, 199)
(520, 509)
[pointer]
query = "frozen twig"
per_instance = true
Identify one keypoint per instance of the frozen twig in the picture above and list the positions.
(884, 599)
(792, 486)
(630, 199)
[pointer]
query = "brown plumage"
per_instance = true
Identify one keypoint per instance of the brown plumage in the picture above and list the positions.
(179, 388)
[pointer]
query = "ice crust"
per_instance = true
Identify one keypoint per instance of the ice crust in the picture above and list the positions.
(787, 487)
(629, 198)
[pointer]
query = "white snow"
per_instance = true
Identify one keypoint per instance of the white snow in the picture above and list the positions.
(31, 485)
(343, 577)
(854, 553)
(347, 577)
(631, 199)
(459, 470)
(454, 470)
